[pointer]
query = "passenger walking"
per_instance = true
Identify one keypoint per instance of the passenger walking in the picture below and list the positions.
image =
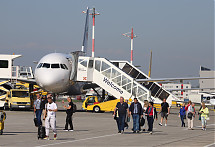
(69, 113)
(50, 120)
(204, 116)
(37, 109)
(190, 115)
(164, 110)
(146, 104)
(136, 111)
(182, 114)
(122, 108)
(44, 101)
(151, 114)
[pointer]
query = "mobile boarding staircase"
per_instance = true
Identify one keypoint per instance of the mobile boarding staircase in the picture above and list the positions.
(158, 93)
(111, 78)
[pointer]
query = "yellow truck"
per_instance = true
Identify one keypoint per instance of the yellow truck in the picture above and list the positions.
(96, 104)
(18, 99)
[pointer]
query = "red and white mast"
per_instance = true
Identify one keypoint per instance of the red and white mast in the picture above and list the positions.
(93, 31)
(132, 36)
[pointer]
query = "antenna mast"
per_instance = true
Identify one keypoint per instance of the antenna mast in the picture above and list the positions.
(94, 13)
(132, 36)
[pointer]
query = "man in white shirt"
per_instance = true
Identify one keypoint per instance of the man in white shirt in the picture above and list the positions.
(50, 119)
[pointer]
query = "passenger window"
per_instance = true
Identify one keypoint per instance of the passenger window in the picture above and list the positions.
(3, 63)
(55, 66)
(84, 63)
(46, 65)
(90, 65)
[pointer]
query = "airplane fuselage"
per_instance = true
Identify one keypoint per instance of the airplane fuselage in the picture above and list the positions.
(53, 71)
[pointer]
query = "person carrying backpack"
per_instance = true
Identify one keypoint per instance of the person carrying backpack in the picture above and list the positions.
(69, 113)
(190, 115)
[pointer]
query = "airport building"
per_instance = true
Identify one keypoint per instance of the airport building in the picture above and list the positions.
(179, 93)
(207, 83)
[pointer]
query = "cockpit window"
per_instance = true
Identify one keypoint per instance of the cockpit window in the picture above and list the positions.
(46, 65)
(55, 66)
(40, 65)
(63, 66)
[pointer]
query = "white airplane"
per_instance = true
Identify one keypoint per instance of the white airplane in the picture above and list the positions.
(53, 74)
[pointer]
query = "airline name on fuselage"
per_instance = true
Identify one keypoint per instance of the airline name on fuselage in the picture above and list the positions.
(111, 84)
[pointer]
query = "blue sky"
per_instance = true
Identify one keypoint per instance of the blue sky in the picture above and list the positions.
(179, 32)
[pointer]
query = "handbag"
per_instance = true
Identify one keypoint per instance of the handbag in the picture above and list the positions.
(184, 117)
(207, 118)
(199, 116)
(116, 115)
(128, 119)
(35, 121)
(142, 121)
(190, 115)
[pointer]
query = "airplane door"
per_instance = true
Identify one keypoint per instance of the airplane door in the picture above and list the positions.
(90, 70)
(82, 69)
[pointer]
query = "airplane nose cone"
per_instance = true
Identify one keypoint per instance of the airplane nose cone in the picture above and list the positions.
(52, 81)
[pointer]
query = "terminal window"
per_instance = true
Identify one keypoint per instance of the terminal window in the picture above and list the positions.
(3, 63)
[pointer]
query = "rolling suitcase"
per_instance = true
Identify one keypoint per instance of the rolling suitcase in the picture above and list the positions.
(41, 132)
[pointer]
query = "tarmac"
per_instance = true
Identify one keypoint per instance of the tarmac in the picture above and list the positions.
(99, 129)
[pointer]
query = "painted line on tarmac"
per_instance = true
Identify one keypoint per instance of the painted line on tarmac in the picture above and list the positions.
(77, 140)
(210, 145)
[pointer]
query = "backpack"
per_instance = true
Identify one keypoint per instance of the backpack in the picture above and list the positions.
(74, 108)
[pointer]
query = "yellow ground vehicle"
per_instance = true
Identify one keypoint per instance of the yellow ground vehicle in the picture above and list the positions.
(96, 104)
(18, 99)
(2, 118)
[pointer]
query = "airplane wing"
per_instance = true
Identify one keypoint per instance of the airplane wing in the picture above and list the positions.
(172, 79)
(189, 89)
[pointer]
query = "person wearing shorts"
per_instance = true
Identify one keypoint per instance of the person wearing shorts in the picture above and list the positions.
(164, 110)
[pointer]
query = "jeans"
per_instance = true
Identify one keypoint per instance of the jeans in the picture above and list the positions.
(182, 120)
(150, 123)
(38, 116)
(69, 121)
(136, 121)
(121, 122)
